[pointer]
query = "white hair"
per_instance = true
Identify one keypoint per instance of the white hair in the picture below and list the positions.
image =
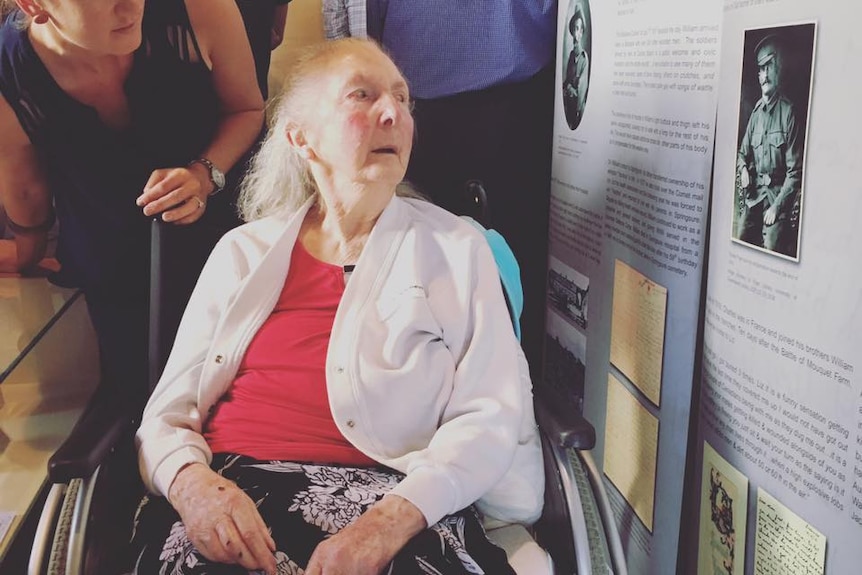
(279, 178)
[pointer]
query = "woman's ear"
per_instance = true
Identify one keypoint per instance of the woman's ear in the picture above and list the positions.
(296, 138)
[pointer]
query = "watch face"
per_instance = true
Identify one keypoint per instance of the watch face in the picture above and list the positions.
(218, 178)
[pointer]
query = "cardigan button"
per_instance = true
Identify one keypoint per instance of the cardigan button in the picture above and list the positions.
(350, 423)
(219, 359)
(339, 370)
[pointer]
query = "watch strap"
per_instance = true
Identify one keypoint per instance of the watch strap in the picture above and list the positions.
(211, 170)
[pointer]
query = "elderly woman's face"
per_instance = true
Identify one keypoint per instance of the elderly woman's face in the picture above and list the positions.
(363, 129)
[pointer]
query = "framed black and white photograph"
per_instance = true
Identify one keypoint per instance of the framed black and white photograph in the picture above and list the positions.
(567, 292)
(577, 51)
(774, 103)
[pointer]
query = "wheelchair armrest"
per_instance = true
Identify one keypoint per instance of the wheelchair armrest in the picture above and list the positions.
(105, 420)
(567, 428)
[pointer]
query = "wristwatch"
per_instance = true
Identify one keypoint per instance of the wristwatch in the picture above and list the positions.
(216, 175)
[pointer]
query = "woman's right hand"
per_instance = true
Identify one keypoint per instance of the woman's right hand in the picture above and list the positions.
(176, 193)
(221, 520)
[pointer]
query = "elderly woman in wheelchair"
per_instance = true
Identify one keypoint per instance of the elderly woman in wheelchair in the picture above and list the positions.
(346, 393)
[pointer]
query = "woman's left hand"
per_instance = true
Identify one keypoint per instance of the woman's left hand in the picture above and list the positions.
(367, 546)
(176, 193)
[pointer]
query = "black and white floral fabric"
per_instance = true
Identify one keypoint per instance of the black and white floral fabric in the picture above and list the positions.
(303, 504)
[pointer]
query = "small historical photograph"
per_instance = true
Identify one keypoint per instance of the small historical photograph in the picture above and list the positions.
(577, 51)
(777, 68)
(567, 292)
(565, 361)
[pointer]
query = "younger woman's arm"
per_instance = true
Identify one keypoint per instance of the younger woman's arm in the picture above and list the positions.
(24, 195)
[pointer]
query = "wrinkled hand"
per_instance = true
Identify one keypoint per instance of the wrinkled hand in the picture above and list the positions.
(367, 546)
(176, 193)
(221, 520)
(770, 215)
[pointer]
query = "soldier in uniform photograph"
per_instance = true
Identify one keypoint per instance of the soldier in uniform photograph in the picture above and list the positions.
(769, 162)
(577, 72)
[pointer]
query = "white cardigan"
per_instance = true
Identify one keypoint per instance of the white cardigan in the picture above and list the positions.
(423, 371)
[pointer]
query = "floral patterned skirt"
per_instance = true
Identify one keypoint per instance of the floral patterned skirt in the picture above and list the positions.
(303, 504)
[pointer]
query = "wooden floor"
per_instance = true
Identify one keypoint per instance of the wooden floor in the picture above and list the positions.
(49, 369)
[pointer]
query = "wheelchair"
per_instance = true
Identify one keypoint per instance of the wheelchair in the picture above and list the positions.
(95, 488)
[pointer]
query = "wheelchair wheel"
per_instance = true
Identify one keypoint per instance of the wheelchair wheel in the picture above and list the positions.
(571, 527)
(599, 554)
(57, 560)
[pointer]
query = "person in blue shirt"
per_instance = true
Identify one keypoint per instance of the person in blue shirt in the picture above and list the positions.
(480, 73)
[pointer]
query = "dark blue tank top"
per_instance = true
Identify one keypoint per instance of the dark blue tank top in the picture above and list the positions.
(95, 172)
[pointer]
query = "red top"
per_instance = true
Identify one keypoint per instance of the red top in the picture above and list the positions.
(277, 407)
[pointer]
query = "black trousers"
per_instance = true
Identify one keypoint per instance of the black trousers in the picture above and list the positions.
(121, 327)
(257, 15)
(120, 309)
(501, 136)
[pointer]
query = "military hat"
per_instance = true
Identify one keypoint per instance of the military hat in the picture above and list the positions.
(766, 49)
(578, 15)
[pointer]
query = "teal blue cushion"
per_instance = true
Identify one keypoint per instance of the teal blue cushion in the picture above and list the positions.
(510, 273)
